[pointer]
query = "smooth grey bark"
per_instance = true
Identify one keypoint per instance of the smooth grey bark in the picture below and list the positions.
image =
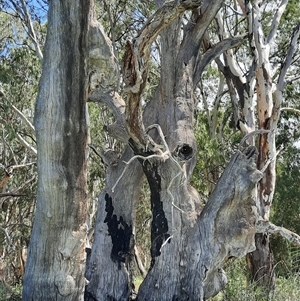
(56, 258)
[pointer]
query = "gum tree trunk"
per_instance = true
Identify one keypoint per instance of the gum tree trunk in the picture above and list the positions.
(189, 249)
(189, 246)
(190, 242)
(56, 259)
(109, 267)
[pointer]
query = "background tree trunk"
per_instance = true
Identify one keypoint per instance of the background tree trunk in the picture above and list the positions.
(56, 259)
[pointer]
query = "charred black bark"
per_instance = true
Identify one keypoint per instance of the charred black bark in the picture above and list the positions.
(88, 296)
(120, 233)
(159, 226)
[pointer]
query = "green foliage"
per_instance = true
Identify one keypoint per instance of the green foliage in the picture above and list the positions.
(213, 153)
(286, 209)
(287, 288)
(240, 289)
(143, 226)
(10, 293)
(19, 74)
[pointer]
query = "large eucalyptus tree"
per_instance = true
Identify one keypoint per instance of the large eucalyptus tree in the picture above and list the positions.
(190, 240)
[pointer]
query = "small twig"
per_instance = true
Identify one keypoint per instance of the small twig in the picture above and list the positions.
(26, 144)
(23, 117)
(94, 149)
(177, 206)
(13, 195)
(139, 262)
(20, 187)
(181, 171)
(161, 134)
(22, 165)
(165, 242)
(9, 241)
(164, 156)
(30, 30)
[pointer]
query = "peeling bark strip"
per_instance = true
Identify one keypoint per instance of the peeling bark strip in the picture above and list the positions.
(159, 226)
(120, 232)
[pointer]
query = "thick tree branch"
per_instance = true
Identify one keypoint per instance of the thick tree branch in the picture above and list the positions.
(192, 40)
(116, 103)
(261, 131)
(289, 57)
(164, 16)
(214, 52)
(135, 64)
(102, 63)
(268, 227)
(278, 95)
(256, 31)
(276, 20)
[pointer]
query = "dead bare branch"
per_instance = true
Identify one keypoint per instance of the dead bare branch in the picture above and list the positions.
(30, 30)
(268, 227)
(289, 57)
(293, 110)
(24, 118)
(256, 132)
(214, 52)
(26, 144)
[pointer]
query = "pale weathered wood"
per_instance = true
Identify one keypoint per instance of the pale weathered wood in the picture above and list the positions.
(189, 244)
(200, 244)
